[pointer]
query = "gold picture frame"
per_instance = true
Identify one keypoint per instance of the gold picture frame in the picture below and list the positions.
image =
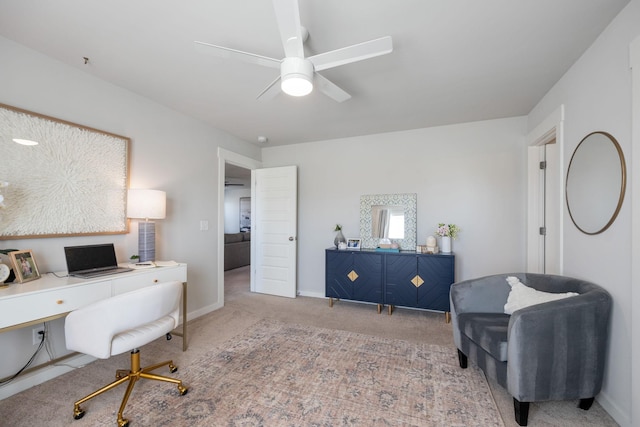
(72, 182)
(24, 266)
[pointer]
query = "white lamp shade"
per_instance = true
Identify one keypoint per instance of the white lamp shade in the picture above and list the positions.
(147, 204)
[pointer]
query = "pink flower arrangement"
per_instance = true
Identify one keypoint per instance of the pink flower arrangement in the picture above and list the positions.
(447, 230)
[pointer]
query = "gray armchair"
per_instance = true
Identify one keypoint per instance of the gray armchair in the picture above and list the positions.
(550, 351)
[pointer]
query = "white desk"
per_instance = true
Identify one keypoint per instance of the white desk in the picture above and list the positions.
(51, 297)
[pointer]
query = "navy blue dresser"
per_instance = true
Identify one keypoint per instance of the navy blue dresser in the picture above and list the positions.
(406, 279)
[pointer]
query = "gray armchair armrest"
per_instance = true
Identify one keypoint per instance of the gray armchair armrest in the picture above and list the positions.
(559, 347)
(482, 295)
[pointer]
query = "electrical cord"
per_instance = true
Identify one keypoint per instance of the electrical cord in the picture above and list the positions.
(29, 362)
(54, 273)
(47, 343)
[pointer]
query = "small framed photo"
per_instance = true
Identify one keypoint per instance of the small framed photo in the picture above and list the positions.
(353, 244)
(24, 265)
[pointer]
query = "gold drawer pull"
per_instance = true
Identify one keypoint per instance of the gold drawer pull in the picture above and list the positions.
(60, 302)
(417, 281)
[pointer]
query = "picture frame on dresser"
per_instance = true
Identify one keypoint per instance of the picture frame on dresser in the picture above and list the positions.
(24, 265)
(354, 244)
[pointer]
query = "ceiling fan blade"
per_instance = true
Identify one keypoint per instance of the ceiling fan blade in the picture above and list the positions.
(271, 91)
(356, 52)
(225, 52)
(330, 89)
(288, 17)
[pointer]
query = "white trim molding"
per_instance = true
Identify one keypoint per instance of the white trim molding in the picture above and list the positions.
(551, 128)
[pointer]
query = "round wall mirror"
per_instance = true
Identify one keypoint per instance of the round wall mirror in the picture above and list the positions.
(596, 182)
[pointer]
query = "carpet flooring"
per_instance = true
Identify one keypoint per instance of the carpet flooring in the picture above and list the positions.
(280, 374)
(224, 345)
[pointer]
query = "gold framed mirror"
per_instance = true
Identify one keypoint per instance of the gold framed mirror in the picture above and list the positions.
(596, 183)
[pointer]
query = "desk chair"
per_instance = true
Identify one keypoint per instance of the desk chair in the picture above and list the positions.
(124, 323)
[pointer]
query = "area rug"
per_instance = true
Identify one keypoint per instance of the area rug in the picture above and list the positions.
(280, 374)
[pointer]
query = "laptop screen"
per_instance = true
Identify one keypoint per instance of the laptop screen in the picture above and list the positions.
(90, 257)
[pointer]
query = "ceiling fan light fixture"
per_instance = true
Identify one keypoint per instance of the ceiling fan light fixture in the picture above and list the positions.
(297, 76)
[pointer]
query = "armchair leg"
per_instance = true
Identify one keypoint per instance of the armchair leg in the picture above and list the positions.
(521, 411)
(462, 359)
(586, 403)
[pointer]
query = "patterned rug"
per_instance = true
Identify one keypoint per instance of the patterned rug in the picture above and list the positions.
(290, 375)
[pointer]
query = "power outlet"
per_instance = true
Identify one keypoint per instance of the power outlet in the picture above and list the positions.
(36, 336)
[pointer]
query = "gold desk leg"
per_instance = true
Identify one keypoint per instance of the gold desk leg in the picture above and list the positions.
(447, 316)
(390, 309)
(184, 316)
(183, 334)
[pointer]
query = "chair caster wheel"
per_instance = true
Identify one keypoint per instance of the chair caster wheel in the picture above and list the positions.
(183, 390)
(78, 413)
(173, 368)
(123, 423)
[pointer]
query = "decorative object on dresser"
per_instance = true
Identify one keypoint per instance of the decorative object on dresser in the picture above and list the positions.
(447, 232)
(388, 216)
(406, 279)
(339, 236)
(353, 244)
(432, 246)
(554, 350)
(146, 204)
(56, 177)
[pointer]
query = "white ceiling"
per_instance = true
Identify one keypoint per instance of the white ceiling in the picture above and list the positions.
(454, 61)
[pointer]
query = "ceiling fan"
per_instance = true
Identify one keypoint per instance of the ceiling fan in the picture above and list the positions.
(297, 73)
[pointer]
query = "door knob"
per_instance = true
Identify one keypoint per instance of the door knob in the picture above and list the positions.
(291, 238)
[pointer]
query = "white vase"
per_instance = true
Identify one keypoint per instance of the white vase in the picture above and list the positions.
(446, 245)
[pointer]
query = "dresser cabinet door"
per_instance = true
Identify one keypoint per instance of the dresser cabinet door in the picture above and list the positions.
(437, 273)
(400, 286)
(354, 275)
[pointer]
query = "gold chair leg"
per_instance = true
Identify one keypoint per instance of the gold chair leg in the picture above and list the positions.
(131, 377)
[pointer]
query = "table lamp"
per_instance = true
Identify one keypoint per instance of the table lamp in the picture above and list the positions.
(147, 204)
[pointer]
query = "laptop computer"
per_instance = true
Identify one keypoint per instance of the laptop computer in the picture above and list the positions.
(92, 260)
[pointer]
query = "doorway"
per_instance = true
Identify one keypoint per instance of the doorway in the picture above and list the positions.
(234, 178)
(545, 196)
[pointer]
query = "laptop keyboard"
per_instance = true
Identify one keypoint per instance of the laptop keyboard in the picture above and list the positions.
(101, 273)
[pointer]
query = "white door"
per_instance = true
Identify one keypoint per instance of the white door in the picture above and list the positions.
(274, 200)
(545, 205)
(553, 207)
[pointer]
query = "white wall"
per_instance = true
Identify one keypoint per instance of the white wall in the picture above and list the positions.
(169, 151)
(596, 93)
(472, 174)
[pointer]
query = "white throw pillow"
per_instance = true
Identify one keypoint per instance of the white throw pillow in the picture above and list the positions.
(522, 296)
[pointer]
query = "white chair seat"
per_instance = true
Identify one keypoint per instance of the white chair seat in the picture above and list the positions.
(136, 338)
(125, 323)
(131, 317)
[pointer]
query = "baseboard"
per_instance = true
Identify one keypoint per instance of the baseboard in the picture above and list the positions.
(202, 311)
(623, 419)
(44, 374)
(311, 294)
